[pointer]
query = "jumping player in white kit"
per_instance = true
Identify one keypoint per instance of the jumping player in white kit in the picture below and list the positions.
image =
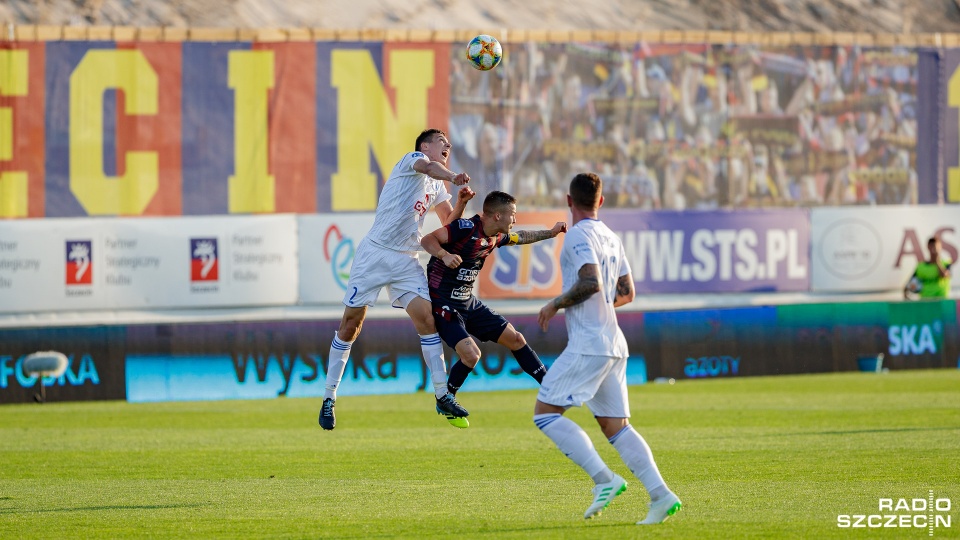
(388, 257)
(592, 368)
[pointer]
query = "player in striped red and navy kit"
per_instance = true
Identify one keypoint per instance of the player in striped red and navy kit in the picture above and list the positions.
(458, 251)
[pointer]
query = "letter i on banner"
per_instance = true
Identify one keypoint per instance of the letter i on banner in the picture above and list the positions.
(252, 187)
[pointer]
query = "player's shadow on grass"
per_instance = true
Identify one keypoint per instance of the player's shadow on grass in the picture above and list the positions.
(881, 430)
(854, 432)
(564, 527)
(95, 508)
(844, 432)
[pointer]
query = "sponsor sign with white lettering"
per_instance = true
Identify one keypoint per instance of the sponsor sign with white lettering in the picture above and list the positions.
(715, 251)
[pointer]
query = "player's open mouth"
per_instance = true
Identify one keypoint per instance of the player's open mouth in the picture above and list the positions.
(445, 154)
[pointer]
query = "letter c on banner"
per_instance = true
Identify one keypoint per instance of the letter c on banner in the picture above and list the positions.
(101, 70)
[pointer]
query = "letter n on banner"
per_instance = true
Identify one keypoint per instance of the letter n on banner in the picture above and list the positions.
(21, 130)
(373, 99)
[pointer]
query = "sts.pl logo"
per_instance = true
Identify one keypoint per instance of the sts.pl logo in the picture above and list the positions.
(79, 259)
(524, 269)
(204, 260)
(338, 250)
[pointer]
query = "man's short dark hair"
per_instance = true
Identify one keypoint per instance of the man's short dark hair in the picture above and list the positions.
(932, 240)
(496, 201)
(585, 190)
(427, 136)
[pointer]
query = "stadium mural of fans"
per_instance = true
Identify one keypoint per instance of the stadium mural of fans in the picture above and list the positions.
(697, 126)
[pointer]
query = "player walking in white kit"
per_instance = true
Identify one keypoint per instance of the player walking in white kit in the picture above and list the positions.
(592, 368)
(388, 257)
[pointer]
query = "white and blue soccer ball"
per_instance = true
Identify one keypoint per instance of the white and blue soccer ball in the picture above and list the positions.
(484, 52)
(914, 286)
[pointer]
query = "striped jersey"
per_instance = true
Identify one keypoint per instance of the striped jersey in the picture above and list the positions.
(454, 286)
(592, 325)
(405, 199)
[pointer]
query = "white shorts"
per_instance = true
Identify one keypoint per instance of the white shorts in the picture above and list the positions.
(598, 381)
(376, 267)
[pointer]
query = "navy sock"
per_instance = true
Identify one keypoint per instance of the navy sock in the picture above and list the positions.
(458, 374)
(530, 363)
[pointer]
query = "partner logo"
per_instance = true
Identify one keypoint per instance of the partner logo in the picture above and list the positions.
(204, 260)
(851, 249)
(79, 262)
(712, 366)
(338, 250)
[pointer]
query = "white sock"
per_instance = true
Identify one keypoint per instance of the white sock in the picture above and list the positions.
(339, 354)
(574, 443)
(432, 349)
(639, 459)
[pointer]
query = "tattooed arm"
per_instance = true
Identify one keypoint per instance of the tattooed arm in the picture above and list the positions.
(528, 237)
(625, 291)
(587, 285)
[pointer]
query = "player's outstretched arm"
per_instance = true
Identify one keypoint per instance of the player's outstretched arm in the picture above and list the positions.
(587, 285)
(943, 267)
(625, 291)
(435, 169)
(448, 214)
(528, 237)
(432, 244)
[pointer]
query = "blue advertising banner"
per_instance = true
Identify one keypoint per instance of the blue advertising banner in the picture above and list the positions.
(271, 359)
(715, 251)
(238, 376)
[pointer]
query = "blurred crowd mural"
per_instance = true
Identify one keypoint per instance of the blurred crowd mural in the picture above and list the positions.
(673, 126)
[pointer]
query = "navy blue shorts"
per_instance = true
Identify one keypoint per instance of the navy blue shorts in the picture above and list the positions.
(454, 324)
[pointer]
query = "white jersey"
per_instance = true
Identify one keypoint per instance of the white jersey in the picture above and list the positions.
(406, 198)
(592, 327)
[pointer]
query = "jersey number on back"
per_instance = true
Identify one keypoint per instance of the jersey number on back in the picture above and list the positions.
(607, 265)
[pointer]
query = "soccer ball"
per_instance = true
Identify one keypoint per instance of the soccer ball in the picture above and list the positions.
(484, 52)
(914, 286)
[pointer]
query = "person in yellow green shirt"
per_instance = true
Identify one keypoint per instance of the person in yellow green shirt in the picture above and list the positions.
(931, 279)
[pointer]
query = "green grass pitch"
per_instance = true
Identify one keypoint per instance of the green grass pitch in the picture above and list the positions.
(770, 457)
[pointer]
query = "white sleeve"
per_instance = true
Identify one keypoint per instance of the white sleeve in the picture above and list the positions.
(439, 192)
(579, 250)
(410, 159)
(624, 263)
